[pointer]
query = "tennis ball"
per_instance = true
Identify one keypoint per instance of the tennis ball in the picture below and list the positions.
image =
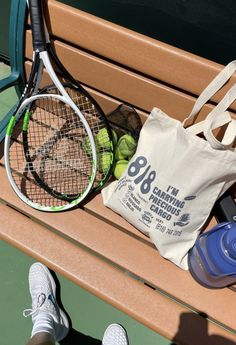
(104, 161)
(120, 168)
(87, 146)
(102, 139)
(119, 155)
(126, 147)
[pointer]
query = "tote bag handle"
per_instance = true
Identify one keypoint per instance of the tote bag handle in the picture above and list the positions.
(211, 119)
(215, 85)
(218, 116)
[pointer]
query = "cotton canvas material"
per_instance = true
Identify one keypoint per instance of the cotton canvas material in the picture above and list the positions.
(175, 177)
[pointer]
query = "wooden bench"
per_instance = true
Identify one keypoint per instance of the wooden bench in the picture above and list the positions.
(92, 246)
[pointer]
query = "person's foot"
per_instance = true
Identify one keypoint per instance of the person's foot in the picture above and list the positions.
(115, 335)
(45, 312)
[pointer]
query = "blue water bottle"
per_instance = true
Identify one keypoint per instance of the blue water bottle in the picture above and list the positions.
(212, 260)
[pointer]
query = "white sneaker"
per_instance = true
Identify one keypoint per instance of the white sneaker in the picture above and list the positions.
(115, 335)
(43, 293)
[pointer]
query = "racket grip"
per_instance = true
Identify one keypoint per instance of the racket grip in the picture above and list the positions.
(225, 208)
(36, 17)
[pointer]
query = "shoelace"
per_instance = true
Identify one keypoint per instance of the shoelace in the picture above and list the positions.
(34, 310)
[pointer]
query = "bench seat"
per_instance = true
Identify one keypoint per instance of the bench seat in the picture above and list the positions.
(93, 246)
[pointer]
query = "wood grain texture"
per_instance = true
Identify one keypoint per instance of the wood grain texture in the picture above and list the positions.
(153, 58)
(122, 85)
(100, 278)
(133, 255)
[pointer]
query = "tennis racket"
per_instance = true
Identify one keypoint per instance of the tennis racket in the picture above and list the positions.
(101, 129)
(50, 152)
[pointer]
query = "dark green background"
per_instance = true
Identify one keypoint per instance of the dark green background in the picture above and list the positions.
(204, 27)
(4, 23)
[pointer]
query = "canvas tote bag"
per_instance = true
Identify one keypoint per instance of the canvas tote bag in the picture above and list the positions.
(175, 176)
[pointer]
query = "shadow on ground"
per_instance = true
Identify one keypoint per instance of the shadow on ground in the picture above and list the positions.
(193, 329)
(74, 338)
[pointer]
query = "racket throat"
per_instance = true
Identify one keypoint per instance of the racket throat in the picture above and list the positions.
(47, 63)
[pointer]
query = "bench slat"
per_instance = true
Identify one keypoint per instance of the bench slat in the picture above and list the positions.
(119, 83)
(98, 277)
(156, 59)
(81, 64)
(106, 102)
(125, 251)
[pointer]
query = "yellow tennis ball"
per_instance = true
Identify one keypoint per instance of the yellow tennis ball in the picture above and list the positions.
(102, 139)
(87, 146)
(104, 161)
(120, 168)
(126, 147)
(119, 155)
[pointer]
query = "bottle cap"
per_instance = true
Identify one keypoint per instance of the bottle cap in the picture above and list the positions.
(221, 249)
(229, 242)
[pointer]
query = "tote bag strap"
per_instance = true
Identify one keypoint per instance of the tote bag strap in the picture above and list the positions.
(229, 135)
(211, 120)
(218, 116)
(212, 88)
(222, 120)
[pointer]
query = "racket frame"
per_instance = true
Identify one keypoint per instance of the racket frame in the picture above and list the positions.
(79, 87)
(40, 59)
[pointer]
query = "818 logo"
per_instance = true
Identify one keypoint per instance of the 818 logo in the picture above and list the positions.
(140, 169)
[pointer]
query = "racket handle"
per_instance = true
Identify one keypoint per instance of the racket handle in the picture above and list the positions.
(225, 208)
(36, 17)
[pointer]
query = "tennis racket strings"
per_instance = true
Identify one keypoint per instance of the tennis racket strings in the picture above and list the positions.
(47, 160)
(101, 131)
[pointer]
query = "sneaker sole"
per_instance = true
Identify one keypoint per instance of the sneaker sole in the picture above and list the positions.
(119, 326)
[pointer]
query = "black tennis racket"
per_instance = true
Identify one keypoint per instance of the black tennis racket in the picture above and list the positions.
(94, 115)
(50, 152)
